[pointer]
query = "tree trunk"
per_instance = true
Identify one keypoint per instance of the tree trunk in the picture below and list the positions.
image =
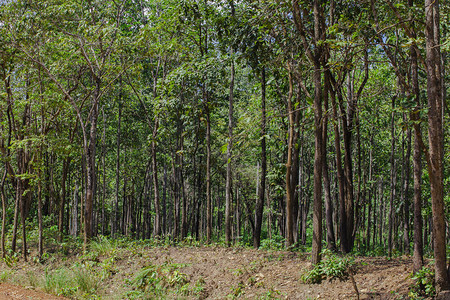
(228, 197)
(289, 189)
(406, 201)
(435, 135)
(2, 190)
(115, 224)
(104, 173)
(157, 221)
(393, 181)
(16, 214)
(63, 198)
(262, 183)
(90, 168)
(331, 241)
(208, 181)
(417, 167)
(319, 32)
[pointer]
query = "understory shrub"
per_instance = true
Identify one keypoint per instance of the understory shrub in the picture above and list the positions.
(331, 267)
(423, 284)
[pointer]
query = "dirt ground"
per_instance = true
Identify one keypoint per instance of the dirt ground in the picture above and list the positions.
(255, 274)
(9, 291)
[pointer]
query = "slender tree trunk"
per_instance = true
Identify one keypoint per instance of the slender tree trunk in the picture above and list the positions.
(393, 181)
(208, 182)
(289, 188)
(331, 242)
(435, 134)
(40, 239)
(164, 227)
(2, 190)
(417, 167)
(63, 198)
(343, 227)
(115, 224)
(371, 194)
(318, 141)
(228, 197)
(262, 183)
(90, 168)
(157, 221)
(318, 166)
(406, 201)
(16, 214)
(104, 173)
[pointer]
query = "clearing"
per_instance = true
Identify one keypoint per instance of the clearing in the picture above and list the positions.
(214, 272)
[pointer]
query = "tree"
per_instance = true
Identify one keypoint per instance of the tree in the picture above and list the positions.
(435, 139)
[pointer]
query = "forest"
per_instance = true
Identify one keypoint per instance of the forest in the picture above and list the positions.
(316, 126)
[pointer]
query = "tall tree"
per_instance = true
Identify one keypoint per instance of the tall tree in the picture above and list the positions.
(436, 139)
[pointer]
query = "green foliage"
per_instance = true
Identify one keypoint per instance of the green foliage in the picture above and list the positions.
(331, 267)
(236, 291)
(157, 281)
(32, 278)
(104, 246)
(11, 259)
(5, 275)
(272, 293)
(59, 282)
(86, 280)
(275, 243)
(424, 285)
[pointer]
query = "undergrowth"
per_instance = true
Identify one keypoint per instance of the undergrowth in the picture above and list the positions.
(331, 267)
(424, 285)
(159, 281)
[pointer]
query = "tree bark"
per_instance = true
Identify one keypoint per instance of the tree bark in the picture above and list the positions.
(2, 190)
(228, 194)
(289, 188)
(157, 221)
(435, 136)
(392, 181)
(417, 166)
(405, 193)
(262, 183)
(331, 241)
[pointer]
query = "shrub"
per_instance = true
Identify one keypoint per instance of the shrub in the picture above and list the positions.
(86, 281)
(59, 282)
(331, 267)
(276, 243)
(157, 280)
(424, 285)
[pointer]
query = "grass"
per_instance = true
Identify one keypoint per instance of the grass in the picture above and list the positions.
(59, 282)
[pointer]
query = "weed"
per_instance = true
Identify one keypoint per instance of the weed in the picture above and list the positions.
(237, 272)
(236, 291)
(198, 287)
(103, 246)
(276, 243)
(4, 276)
(271, 294)
(157, 280)
(11, 260)
(424, 285)
(85, 280)
(32, 279)
(107, 268)
(59, 282)
(331, 267)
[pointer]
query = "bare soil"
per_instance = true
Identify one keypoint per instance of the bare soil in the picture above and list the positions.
(9, 291)
(242, 272)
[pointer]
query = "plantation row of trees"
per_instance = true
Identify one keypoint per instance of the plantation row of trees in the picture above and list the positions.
(317, 122)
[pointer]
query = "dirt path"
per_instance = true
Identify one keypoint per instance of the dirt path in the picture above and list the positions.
(8, 291)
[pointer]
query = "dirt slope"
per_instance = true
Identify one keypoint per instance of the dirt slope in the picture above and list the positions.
(234, 273)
